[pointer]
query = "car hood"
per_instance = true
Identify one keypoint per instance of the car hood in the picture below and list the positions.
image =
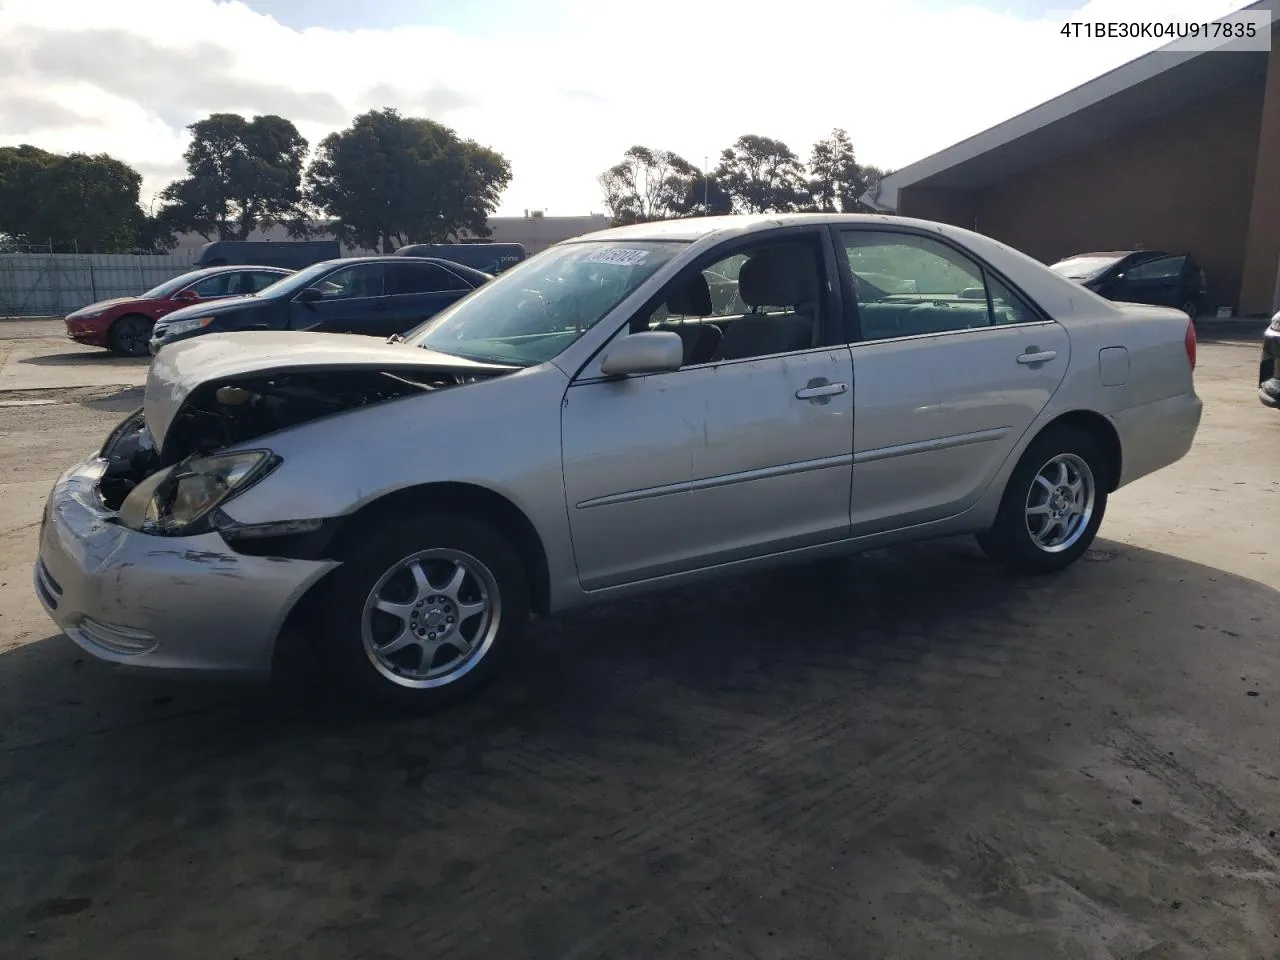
(104, 305)
(183, 366)
(213, 307)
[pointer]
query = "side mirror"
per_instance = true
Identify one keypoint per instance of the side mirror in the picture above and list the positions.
(187, 294)
(309, 295)
(655, 351)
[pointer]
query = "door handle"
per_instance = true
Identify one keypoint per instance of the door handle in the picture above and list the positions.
(820, 388)
(1037, 356)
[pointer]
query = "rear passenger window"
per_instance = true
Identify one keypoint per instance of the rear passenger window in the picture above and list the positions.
(1006, 306)
(908, 285)
(423, 278)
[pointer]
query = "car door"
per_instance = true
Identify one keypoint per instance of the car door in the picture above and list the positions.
(1157, 281)
(351, 299)
(742, 452)
(420, 290)
(951, 365)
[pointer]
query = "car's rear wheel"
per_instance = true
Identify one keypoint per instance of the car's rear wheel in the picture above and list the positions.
(1192, 310)
(1053, 504)
(129, 335)
(423, 610)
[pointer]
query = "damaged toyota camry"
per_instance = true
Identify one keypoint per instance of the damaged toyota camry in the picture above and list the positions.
(634, 409)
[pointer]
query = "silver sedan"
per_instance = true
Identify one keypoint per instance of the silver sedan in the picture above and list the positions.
(629, 410)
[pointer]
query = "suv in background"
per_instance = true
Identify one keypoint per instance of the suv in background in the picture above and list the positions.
(1140, 276)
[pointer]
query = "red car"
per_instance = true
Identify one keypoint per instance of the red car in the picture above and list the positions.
(123, 325)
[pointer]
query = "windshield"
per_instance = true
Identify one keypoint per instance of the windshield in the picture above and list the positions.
(294, 282)
(170, 287)
(533, 311)
(1083, 268)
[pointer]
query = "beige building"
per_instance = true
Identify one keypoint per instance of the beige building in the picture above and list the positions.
(534, 231)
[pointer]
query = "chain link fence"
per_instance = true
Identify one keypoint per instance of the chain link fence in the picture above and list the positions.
(54, 284)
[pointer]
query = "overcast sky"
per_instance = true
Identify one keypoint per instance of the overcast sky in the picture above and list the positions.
(561, 87)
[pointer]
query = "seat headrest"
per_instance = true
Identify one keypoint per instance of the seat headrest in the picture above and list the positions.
(691, 299)
(782, 276)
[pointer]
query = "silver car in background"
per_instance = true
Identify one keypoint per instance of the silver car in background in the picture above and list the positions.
(633, 409)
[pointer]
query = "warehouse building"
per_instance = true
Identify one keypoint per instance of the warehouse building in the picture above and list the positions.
(1178, 150)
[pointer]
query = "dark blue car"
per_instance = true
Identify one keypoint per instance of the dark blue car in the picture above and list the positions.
(378, 296)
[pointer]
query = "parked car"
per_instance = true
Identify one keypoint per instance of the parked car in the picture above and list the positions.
(490, 258)
(124, 324)
(1141, 276)
(294, 254)
(591, 425)
(379, 296)
(1269, 366)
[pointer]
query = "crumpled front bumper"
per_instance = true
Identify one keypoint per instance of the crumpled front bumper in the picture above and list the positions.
(166, 604)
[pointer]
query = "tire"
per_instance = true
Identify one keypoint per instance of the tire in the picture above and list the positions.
(129, 335)
(1011, 541)
(428, 612)
(1192, 310)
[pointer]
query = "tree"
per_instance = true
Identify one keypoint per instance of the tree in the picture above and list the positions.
(762, 175)
(388, 179)
(242, 174)
(647, 185)
(705, 196)
(75, 202)
(835, 179)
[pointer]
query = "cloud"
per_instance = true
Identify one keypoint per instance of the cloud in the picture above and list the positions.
(435, 102)
(904, 78)
(187, 80)
(25, 114)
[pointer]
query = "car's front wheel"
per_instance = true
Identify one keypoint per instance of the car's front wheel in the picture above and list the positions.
(130, 335)
(422, 611)
(1052, 505)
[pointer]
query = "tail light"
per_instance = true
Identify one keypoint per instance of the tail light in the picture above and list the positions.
(1189, 341)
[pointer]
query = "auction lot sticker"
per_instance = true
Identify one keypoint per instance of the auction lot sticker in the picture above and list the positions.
(619, 256)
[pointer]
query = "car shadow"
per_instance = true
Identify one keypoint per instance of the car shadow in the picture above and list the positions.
(661, 752)
(86, 358)
(121, 400)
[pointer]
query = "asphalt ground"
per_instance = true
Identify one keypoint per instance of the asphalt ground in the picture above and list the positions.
(905, 754)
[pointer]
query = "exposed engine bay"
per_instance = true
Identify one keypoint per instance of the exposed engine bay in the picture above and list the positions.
(225, 412)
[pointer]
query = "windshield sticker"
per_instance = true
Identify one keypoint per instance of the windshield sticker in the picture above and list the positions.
(621, 257)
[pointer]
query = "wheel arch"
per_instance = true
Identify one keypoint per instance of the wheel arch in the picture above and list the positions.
(467, 498)
(453, 497)
(1098, 427)
(127, 315)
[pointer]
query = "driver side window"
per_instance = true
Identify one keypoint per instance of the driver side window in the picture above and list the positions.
(760, 301)
(348, 283)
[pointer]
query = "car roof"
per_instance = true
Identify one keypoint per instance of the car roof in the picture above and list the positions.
(233, 268)
(741, 224)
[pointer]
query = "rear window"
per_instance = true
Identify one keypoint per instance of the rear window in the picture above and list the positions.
(1083, 268)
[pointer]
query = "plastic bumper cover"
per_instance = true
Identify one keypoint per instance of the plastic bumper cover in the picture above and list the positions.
(166, 604)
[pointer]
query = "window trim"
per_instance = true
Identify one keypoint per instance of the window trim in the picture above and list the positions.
(853, 319)
(832, 307)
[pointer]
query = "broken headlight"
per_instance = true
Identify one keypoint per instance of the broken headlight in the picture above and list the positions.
(177, 501)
